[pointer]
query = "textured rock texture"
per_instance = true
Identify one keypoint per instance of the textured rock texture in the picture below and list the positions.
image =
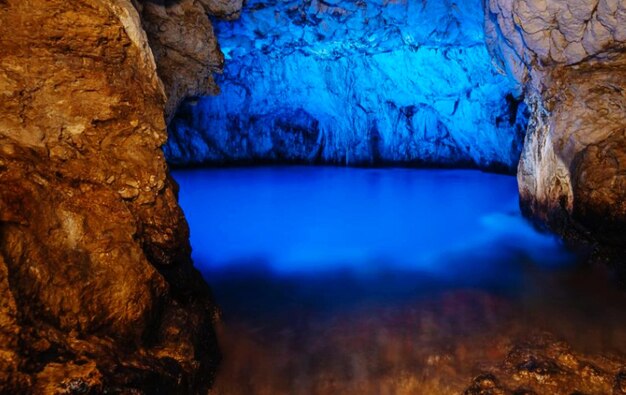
(98, 290)
(184, 45)
(358, 83)
(543, 364)
(570, 58)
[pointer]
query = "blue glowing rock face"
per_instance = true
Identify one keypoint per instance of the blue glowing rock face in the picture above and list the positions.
(354, 83)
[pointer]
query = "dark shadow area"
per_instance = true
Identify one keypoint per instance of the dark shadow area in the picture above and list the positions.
(403, 331)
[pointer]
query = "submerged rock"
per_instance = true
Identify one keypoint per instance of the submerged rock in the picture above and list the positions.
(569, 57)
(355, 83)
(98, 290)
(484, 384)
(539, 363)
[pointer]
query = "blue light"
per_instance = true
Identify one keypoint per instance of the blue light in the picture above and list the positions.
(452, 225)
(355, 83)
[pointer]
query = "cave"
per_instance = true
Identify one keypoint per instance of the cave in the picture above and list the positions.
(313, 197)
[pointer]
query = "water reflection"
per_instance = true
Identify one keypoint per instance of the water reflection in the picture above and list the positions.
(335, 280)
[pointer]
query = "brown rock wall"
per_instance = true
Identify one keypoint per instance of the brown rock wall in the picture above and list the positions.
(184, 45)
(570, 59)
(98, 289)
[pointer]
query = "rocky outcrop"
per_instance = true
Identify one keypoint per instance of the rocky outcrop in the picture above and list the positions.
(98, 290)
(355, 83)
(570, 57)
(184, 45)
(540, 363)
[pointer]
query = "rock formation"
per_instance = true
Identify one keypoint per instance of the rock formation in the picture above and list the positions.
(97, 285)
(357, 83)
(184, 45)
(570, 58)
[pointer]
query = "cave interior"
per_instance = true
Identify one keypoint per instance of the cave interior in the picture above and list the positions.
(313, 197)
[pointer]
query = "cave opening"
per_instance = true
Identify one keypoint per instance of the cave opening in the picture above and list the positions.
(400, 262)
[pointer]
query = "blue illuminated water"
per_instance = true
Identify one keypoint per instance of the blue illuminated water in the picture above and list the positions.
(342, 280)
(451, 224)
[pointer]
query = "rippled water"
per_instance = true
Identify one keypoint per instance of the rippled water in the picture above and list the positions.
(338, 280)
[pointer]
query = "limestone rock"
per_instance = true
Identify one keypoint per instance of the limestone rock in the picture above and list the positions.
(540, 363)
(184, 46)
(98, 289)
(357, 83)
(570, 58)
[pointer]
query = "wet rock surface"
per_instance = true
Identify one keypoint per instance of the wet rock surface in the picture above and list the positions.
(98, 290)
(570, 58)
(540, 364)
(357, 83)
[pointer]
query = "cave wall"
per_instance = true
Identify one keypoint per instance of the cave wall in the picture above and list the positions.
(184, 44)
(355, 83)
(570, 58)
(98, 290)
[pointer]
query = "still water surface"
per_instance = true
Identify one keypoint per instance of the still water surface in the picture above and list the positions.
(338, 280)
